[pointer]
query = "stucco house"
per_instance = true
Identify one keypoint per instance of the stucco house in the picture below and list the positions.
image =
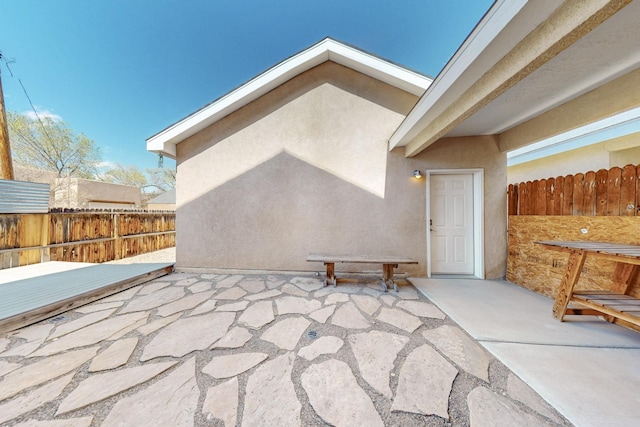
(78, 193)
(163, 202)
(90, 194)
(318, 153)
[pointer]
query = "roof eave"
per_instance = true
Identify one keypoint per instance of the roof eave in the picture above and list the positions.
(492, 23)
(165, 141)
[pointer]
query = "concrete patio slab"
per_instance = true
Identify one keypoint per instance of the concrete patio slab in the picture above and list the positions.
(500, 311)
(589, 386)
(587, 369)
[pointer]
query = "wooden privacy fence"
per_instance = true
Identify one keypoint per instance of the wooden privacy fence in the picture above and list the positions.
(613, 192)
(82, 236)
(597, 206)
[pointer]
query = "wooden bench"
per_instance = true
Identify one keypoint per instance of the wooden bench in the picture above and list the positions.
(613, 305)
(388, 264)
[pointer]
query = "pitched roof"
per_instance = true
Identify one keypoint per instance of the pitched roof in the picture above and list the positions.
(168, 197)
(328, 49)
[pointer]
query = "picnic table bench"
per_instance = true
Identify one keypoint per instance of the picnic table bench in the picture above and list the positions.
(614, 304)
(388, 264)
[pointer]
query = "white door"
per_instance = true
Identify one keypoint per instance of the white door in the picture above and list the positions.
(451, 228)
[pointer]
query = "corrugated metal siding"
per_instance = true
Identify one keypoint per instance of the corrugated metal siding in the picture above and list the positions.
(23, 197)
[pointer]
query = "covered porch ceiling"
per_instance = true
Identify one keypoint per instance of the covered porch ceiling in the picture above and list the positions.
(531, 70)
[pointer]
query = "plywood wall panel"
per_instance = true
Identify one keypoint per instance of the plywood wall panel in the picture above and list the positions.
(534, 267)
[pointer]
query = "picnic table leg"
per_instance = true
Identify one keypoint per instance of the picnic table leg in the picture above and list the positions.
(571, 276)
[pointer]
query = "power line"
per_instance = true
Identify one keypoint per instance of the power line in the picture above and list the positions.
(44, 128)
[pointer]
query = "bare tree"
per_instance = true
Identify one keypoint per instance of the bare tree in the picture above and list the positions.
(49, 144)
(126, 175)
(163, 179)
(155, 180)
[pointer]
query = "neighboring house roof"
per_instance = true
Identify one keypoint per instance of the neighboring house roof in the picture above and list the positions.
(326, 50)
(166, 198)
(525, 59)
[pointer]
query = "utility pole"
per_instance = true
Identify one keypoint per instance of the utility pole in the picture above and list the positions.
(6, 164)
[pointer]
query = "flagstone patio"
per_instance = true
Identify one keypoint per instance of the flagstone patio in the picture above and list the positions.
(254, 350)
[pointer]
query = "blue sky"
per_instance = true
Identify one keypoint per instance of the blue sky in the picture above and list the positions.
(120, 71)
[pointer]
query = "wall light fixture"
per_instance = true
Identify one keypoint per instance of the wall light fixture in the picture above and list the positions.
(417, 174)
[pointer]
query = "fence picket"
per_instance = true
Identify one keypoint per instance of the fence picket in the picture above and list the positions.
(551, 184)
(589, 196)
(637, 209)
(614, 178)
(512, 198)
(602, 177)
(567, 203)
(541, 198)
(533, 209)
(628, 191)
(578, 194)
(558, 196)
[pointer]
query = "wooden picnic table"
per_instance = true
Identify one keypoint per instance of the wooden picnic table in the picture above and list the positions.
(388, 264)
(613, 304)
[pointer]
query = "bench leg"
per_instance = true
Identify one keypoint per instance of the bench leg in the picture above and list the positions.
(330, 278)
(387, 271)
(571, 276)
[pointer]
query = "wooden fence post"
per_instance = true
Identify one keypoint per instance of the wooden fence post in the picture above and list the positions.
(117, 243)
(45, 252)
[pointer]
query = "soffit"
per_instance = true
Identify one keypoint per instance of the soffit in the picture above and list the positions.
(607, 52)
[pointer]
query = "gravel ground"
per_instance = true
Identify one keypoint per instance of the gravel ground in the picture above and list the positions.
(163, 255)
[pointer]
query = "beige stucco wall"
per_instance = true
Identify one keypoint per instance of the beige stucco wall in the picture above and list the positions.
(161, 207)
(306, 168)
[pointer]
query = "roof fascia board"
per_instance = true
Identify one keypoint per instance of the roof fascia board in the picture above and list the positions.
(165, 141)
(162, 147)
(374, 67)
(495, 20)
